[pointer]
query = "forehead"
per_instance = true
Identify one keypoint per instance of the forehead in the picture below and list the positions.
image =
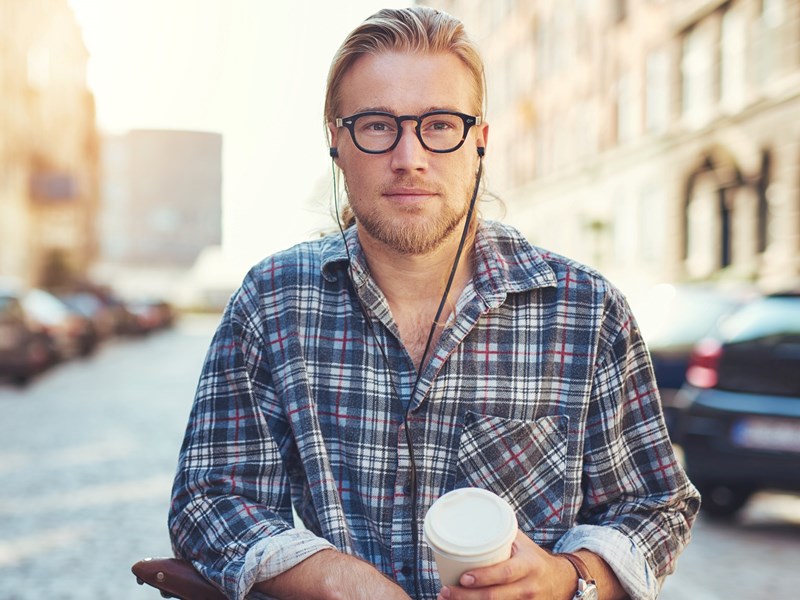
(407, 83)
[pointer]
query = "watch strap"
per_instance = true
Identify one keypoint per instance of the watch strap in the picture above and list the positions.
(580, 566)
(587, 586)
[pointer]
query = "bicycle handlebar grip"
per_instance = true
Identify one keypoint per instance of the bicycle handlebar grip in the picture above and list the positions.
(175, 578)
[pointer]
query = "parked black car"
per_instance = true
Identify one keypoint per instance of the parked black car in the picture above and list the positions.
(24, 346)
(739, 424)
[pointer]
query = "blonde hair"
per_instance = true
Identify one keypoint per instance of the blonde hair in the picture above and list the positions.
(415, 29)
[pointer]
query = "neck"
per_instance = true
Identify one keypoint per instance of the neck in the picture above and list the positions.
(419, 279)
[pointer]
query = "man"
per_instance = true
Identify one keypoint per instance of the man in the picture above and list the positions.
(360, 377)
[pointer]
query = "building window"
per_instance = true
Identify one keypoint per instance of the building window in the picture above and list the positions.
(704, 231)
(586, 129)
(771, 18)
(624, 109)
(620, 11)
(657, 91)
(652, 217)
(697, 77)
(733, 40)
(552, 54)
(542, 49)
(772, 12)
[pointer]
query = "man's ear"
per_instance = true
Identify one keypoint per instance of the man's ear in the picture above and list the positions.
(482, 138)
(333, 137)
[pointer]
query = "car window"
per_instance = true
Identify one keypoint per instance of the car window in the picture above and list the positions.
(10, 308)
(680, 317)
(767, 317)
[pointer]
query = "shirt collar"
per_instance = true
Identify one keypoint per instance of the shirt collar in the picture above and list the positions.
(335, 255)
(505, 262)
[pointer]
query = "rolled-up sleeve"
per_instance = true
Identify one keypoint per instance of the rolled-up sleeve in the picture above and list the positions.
(638, 505)
(231, 512)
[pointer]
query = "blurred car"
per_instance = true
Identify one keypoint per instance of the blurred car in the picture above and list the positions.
(147, 315)
(92, 307)
(70, 333)
(673, 318)
(23, 345)
(739, 423)
(153, 313)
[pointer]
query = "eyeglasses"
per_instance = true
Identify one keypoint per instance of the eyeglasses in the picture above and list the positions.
(376, 132)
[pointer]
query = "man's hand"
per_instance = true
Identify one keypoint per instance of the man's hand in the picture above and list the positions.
(532, 572)
(332, 575)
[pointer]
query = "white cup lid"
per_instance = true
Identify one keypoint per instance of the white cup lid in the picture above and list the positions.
(468, 522)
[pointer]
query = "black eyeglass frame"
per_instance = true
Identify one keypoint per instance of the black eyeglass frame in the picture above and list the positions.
(350, 122)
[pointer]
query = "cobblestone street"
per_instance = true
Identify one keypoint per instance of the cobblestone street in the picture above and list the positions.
(87, 455)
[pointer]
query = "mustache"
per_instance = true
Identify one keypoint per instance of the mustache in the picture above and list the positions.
(411, 182)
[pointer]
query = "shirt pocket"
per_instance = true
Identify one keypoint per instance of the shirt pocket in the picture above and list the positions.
(524, 462)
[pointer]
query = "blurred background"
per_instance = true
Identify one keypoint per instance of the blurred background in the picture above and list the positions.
(151, 151)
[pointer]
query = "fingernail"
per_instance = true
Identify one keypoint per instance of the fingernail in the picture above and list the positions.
(444, 594)
(467, 580)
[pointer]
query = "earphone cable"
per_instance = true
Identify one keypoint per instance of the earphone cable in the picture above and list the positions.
(431, 333)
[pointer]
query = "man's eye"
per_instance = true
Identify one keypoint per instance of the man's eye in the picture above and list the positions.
(377, 127)
(438, 126)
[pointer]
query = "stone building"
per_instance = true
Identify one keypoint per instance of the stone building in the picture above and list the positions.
(162, 197)
(658, 140)
(49, 151)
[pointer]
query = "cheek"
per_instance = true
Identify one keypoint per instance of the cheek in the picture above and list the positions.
(361, 176)
(358, 183)
(461, 179)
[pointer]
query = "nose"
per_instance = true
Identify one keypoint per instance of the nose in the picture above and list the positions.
(409, 154)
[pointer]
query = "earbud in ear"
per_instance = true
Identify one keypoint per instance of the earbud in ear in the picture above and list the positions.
(334, 152)
(481, 150)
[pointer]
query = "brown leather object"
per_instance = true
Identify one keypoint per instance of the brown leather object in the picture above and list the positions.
(175, 578)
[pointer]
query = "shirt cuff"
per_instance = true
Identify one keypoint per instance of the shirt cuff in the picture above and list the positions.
(274, 555)
(621, 554)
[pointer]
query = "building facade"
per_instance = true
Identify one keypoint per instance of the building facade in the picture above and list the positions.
(162, 197)
(49, 150)
(658, 140)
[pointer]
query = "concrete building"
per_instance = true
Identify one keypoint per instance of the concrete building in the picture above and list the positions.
(658, 140)
(49, 151)
(162, 197)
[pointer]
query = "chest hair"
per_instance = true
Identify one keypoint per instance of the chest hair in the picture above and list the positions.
(415, 326)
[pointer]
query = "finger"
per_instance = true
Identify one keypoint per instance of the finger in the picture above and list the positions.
(503, 573)
(518, 589)
(525, 560)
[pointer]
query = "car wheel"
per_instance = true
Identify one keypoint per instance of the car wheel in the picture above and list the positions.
(723, 501)
(21, 380)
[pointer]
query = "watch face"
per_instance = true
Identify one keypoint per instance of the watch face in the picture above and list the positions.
(588, 593)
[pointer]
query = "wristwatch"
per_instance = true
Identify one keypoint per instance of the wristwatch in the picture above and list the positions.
(587, 587)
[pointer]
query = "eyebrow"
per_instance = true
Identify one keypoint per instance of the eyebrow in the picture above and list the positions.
(386, 109)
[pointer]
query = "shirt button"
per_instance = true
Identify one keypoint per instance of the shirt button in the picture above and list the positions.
(407, 489)
(406, 570)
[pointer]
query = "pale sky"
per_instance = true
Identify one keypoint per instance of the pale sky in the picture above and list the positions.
(253, 70)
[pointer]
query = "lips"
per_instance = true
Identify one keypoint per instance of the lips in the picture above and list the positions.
(408, 193)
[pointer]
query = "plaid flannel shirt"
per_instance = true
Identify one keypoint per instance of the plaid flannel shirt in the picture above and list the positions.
(540, 389)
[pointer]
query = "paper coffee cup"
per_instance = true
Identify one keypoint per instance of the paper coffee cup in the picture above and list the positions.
(468, 528)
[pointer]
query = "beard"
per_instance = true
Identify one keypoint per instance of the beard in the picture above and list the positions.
(415, 235)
